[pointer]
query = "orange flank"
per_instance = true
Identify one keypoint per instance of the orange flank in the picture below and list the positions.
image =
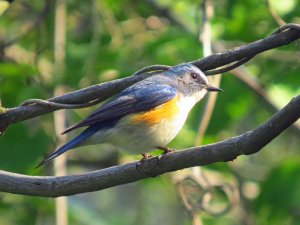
(165, 111)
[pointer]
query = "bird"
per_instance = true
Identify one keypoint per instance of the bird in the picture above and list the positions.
(146, 115)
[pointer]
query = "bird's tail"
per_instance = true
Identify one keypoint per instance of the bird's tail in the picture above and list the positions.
(69, 145)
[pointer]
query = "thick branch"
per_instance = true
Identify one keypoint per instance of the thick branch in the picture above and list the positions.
(245, 144)
(77, 99)
(282, 36)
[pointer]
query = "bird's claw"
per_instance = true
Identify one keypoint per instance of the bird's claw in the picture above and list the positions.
(166, 150)
(140, 163)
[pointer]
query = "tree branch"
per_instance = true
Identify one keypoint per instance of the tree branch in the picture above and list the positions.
(227, 150)
(77, 99)
(97, 93)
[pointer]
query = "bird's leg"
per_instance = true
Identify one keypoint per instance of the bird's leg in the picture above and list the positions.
(146, 156)
(165, 149)
(140, 163)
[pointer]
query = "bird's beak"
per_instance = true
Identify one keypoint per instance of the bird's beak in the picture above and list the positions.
(211, 88)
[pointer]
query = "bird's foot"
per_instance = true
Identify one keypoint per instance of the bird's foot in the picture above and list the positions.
(140, 163)
(166, 151)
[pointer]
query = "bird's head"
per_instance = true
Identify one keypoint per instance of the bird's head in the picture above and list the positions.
(190, 80)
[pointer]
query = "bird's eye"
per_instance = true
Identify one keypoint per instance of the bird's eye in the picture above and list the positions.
(194, 76)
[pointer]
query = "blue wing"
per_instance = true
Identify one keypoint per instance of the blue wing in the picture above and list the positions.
(137, 98)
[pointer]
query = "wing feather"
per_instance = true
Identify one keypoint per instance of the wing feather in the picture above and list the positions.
(140, 97)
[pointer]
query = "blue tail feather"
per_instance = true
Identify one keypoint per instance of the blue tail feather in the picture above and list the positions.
(71, 144)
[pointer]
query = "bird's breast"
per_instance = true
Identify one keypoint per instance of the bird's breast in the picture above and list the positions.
(174, 112)
(166, 111)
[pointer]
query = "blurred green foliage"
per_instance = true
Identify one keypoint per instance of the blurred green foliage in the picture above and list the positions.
(112, 39)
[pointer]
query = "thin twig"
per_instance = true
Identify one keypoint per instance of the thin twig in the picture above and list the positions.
(207, 50)
(228, 68)
(48, 103)
(274, 15)
(152, 69)
(287, 26)
(61, 204)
